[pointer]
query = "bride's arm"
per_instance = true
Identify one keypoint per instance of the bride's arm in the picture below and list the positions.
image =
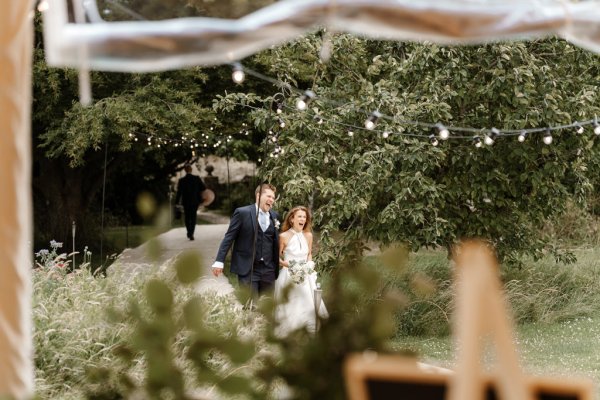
(309, 239)
(283, 239)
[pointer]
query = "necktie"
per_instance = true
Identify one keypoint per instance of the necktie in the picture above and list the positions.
(262, 220)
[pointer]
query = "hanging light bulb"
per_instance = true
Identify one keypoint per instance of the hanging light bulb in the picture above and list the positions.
(43, 6)
(491, 136)
(596, 126)
(303, 100)
(477, 141)
(522, 136)
(578, 128)
(281, 123)
(279, 108)
(371, 120)
(548, 136)
(350, 132)
(319, 120)
(238, 74)
(433, 140)
(385, 134)
(443, 132)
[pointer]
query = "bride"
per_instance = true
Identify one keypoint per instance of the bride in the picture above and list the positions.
(295, 245)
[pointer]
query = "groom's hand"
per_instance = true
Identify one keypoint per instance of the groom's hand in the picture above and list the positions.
(217, 268)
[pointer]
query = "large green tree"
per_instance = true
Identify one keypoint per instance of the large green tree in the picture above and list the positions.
(142, 127)
(401, 188)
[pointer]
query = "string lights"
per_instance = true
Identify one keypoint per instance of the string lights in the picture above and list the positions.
(303, 101)
(238, 75)
(433, 140)
(442, 132)
(491, 137)
(438, 131)
(548, 136)
(372, 119)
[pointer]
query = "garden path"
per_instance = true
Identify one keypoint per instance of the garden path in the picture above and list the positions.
(172, 243)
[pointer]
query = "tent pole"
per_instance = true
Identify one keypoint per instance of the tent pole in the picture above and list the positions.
(16, 44)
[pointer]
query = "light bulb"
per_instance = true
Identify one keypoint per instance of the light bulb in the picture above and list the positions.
(477, 141)
(443, 132)
(371, 121)
(433, 140)
(385, 134)
(350, 133)
(597, 129)
(548, 136)
(281, 123)
(522, 136)
(43, 6)
(302, 102)
(238, 74)
(579, 128)
(491, 137)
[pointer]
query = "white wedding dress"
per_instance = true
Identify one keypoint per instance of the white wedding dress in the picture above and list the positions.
(299, 311)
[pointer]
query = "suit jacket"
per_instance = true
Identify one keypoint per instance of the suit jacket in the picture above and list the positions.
(240, 233)
(189, 190)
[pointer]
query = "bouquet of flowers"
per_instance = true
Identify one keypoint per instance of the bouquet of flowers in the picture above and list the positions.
(300, 270)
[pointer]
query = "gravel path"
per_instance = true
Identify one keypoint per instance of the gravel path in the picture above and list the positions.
(172, 243)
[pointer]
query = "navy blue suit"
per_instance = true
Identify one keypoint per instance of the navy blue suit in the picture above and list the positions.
(242, 228)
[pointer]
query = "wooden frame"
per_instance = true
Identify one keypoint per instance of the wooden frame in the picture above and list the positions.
(386, 377)
(481, 313)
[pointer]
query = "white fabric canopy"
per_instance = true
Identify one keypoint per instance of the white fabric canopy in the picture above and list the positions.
(16, 364)
(177, 43)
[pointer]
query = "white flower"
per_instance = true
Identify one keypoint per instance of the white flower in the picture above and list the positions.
(299, 270)
(277, 224)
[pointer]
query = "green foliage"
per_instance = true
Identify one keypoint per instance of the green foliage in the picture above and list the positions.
(543, 291)
(402, 188)
(71, 334)
(180, 345)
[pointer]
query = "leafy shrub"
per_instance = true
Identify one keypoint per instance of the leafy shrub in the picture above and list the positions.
(542, 291)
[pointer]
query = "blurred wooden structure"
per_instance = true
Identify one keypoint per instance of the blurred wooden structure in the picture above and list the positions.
(481, 313)
(16, 47)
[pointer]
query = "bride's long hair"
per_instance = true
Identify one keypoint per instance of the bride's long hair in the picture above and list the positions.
(287, 224)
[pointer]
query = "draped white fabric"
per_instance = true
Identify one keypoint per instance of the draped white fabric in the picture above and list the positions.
(16, 365)
(177, 43)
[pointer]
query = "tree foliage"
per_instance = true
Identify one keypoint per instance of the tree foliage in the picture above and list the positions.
(139, 130)
(402, 188)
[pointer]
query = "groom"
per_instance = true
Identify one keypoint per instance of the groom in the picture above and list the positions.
(253, 233)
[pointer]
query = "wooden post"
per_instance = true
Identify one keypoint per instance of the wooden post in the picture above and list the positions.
(16, 34)
(481, 313)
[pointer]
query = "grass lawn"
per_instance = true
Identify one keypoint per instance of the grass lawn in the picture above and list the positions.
(565, 348)
(569, 346)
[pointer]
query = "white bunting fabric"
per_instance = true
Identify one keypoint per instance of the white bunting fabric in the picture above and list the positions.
(177, 43)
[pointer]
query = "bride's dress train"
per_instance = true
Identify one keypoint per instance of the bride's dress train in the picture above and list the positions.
(299, 311)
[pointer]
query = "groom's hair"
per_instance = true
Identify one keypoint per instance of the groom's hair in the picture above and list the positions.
(264, 186)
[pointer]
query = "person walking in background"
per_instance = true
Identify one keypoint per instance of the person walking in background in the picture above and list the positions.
(189, 192)
(253, 232)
